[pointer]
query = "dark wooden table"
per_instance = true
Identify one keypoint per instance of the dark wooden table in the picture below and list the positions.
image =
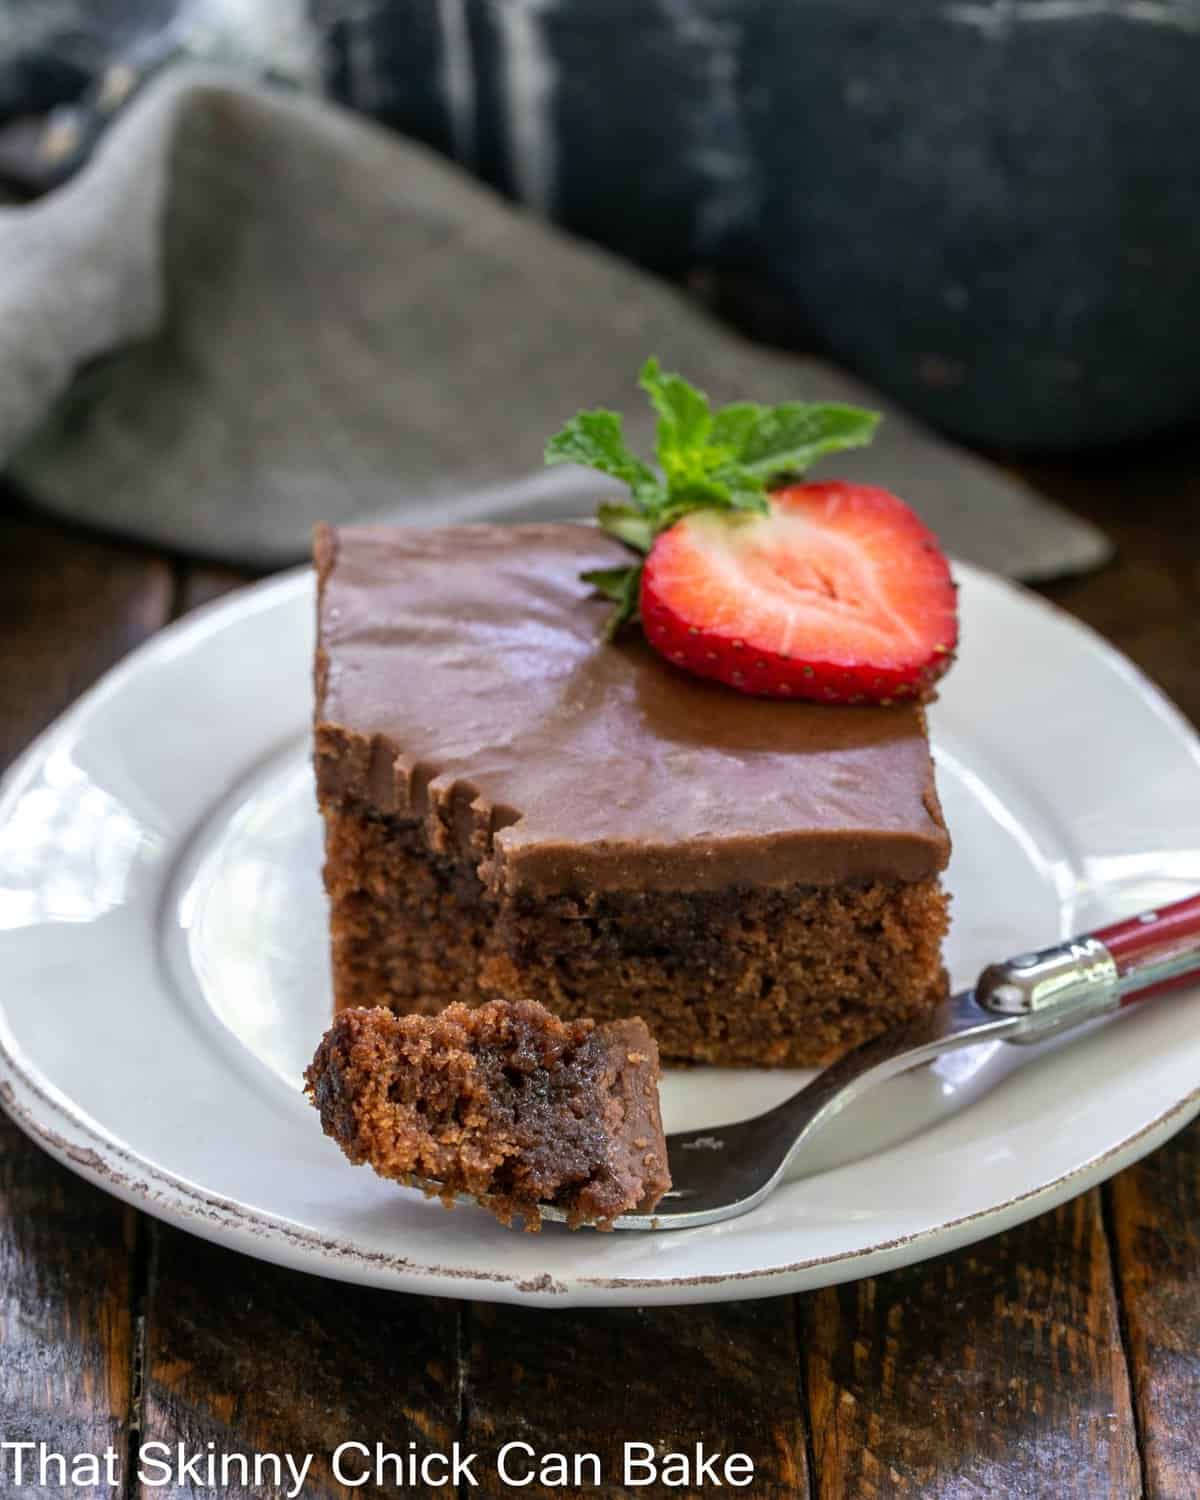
(1061, 1359)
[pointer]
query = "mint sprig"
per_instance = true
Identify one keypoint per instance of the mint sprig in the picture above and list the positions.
(726, 459)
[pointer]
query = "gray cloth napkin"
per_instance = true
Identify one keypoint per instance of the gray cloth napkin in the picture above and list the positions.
(252, 311)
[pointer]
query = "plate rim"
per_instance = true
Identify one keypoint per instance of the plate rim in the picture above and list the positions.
(85, 1147)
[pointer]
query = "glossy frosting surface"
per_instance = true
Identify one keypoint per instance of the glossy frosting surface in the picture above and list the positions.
(462, 679)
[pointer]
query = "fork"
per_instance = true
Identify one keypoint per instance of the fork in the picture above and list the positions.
(724, 1172)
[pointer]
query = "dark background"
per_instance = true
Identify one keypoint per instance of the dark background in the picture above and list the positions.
(990, 208)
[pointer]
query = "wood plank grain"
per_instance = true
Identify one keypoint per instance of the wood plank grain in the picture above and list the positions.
(589, 1381)
(256, 1359)
(69, 607)
(996, 1371)
(1147, 601)
(1155, 1214)
(67, 1254)
(201, 583)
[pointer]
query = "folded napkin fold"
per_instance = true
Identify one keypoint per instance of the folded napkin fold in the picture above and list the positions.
(252, 310)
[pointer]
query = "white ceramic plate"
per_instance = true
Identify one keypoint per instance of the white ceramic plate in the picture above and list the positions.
(163, 975)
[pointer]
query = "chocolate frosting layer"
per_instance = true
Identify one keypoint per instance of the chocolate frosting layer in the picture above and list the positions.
(462, 679)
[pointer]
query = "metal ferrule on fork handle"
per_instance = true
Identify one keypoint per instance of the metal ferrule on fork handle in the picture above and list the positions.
(1073, 982)
(1053, 989)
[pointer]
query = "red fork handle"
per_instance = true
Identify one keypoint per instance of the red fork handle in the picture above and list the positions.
(1143, 945)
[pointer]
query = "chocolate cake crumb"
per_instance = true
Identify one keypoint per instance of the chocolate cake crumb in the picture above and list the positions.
(738, 978)
(503, 1102)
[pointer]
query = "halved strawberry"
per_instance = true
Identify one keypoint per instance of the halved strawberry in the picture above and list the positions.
(840, 595)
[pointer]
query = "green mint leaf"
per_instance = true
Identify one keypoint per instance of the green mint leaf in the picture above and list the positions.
(684, 423)
(631, 525)
(729, 487)
(743, 488)
(788, 439)
(740, 501)
(596, 440)
(733, 425)
(622, 586)
(749, 498)
(700, 487)
(724, 460)
(611, 582)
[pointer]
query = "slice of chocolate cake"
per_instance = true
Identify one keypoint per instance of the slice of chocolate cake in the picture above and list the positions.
(503, 1102)
(515, 806)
